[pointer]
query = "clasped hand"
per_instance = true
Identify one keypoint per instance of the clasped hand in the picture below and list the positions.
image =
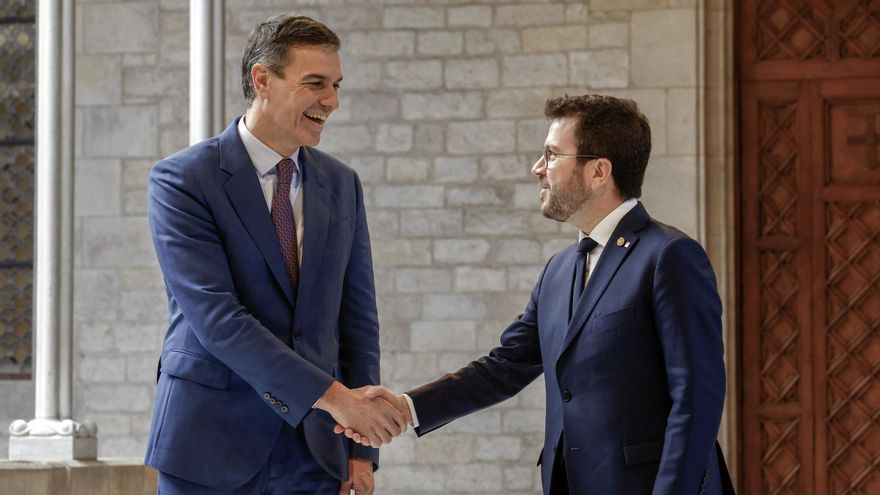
(383, 395)
(366, 412)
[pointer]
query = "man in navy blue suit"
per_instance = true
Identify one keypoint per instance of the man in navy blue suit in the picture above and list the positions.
(265, 252)
(625, 325)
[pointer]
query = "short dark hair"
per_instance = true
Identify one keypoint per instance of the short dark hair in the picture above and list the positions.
(270, 41)
(609, 127)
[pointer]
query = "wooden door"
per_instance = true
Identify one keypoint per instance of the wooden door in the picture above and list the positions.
(809, 237)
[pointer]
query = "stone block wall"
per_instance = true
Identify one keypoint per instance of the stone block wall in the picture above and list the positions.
(131, 109)
(442, 117)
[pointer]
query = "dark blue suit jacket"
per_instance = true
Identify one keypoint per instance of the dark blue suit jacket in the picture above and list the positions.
(243, 353)
(634, 378)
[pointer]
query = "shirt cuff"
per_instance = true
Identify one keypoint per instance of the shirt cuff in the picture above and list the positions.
(412, 411)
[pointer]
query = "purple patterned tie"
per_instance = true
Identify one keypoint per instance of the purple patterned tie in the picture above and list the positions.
(285, 225)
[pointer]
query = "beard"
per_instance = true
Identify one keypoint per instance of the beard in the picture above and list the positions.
(565, 199)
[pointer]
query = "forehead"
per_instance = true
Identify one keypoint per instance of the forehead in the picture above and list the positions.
(313, 60)
(561, 132)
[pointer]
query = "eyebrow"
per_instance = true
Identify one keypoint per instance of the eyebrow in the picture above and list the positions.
(320, 77)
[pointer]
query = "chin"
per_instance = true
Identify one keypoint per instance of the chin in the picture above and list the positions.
(311, 141)
(553, 214)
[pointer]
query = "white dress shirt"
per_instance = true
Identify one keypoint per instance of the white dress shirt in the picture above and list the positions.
(265, 159)
(601, 234)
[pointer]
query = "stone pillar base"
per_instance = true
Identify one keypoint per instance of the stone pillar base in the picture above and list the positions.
(117, 477)
(54, 448)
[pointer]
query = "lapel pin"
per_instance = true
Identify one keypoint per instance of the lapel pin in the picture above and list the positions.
(620, 241)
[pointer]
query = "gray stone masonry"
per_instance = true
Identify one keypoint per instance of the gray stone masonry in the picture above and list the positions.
(442, 118)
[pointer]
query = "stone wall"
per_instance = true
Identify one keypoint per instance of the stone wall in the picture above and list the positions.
(442, 117)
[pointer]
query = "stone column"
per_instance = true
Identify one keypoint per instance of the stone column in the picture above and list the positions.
(718, 126)
(206, 69)
(53, 434)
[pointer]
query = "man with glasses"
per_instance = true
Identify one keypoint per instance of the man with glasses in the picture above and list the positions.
(625, 325)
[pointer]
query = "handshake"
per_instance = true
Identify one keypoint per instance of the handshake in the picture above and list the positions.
(371, 416)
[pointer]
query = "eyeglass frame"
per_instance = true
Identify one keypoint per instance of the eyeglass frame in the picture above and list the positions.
(547, 152)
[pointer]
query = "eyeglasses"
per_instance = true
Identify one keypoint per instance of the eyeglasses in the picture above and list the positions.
(550, 156)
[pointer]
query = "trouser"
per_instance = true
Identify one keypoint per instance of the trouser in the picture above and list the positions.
(290, 470)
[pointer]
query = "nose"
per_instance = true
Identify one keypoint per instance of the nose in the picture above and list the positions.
(330, 98)
(540, 167)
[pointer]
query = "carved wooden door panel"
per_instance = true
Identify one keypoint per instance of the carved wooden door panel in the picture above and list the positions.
(809, 235)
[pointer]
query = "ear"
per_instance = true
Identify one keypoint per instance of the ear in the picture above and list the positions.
(260, 78)
(601, 172)
(602, 177)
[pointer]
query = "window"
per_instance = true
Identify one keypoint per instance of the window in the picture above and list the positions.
(17, 105)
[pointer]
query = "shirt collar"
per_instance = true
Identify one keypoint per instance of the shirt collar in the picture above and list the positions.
(603, 230)
(263, 157)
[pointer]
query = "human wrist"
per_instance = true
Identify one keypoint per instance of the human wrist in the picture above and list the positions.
(331, 399)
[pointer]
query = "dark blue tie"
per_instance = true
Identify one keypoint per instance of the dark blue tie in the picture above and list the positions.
(580, 270)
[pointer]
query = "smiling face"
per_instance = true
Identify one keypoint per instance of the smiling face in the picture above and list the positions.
(563, 186)
(289, 111)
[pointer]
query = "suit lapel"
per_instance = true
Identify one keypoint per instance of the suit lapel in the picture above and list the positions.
(316, 212)
(613, 255)
(246, 195)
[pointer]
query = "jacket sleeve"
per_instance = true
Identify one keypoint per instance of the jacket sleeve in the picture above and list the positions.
(501, 374)
(687, 312)
(198, 276)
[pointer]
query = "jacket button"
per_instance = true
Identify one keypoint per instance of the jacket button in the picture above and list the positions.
(267, 396)
(566, 396)
(284, 409)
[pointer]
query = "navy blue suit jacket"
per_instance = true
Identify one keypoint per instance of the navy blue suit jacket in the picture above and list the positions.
(244, 353)
(634, 377)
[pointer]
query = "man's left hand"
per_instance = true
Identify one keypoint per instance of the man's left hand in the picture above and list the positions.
(360, 477)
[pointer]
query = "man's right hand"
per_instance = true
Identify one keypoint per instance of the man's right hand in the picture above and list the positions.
(376, 420)
(378, 393)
